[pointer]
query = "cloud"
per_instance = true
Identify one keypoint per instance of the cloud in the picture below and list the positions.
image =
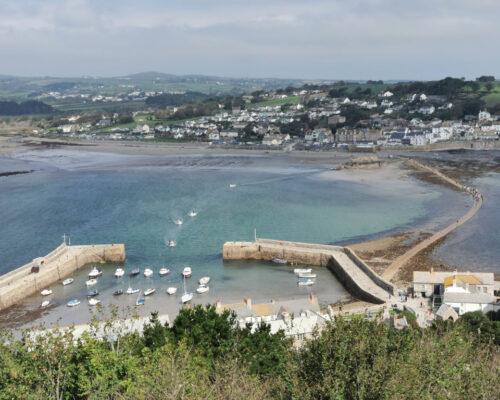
(317, 38)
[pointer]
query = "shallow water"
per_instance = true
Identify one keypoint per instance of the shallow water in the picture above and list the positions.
(100, 198)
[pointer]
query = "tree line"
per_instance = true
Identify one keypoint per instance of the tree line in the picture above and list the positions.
(24, 108)
(206, 355)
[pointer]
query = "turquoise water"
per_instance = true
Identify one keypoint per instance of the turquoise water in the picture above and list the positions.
(99, 198)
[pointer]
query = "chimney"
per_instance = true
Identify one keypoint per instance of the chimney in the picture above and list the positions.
(313, 299)
(248, 302)
(218, 305)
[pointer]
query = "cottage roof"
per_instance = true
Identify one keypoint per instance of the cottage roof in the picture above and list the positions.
(475, 298)
(462, 279)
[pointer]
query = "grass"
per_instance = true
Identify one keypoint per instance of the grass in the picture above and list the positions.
(275, 102)
(492, 99)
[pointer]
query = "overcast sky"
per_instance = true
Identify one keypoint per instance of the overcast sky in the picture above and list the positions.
(330, 39)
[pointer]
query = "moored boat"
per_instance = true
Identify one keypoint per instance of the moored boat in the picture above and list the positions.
(135, 272)
(307, 275)
(46, 292)
(171, 243)
(117, 292)
(139, 302)
(186, 297)
(68, 281)
(131, 291)
(204, 280)
(193, 213)
(73, 303)
(163, 271)
(92, 293)
(305, 282)
(94, 302)
(302, 271)
(148, 272)
(202, 289)
(149, 291)
(277, 260)
(178, 221)
(91, 282)
(45, 303)
(119, 272)
(232, 185)
(171, 290)
(95, 273)
(186, 272)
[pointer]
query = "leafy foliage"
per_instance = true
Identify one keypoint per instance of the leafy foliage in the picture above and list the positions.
(26, 107)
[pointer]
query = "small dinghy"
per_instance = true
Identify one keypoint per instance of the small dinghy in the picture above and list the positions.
(139, 302)
(94, 302)
(297, 271)
(171, 243)
(232, 185)
(163, 271)
(68, 281)
(171, 290)
(149, 291)
(308, 276)
(45, 303)
(202, 289)
(131, 291)
(204, 280)
(148, 273)
(193, 213)
(186, 272)
(46, 292)
(119, 272)
(135, 272)
(91, 282)
(118, 292)
(186, 297)
(178, 221)
(95, 273)
(73, 303)
(279, 260)
(305, 282)
(93, 293)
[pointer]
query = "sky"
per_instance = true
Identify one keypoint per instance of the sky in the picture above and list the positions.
(308, 39)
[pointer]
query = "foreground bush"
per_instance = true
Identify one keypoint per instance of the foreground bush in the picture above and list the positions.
(204, 355)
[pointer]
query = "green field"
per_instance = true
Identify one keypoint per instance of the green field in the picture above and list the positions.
(275, 102)
(492, 99)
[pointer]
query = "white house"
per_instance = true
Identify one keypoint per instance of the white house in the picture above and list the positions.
(387, 94)
(427, 110)
(484, 116)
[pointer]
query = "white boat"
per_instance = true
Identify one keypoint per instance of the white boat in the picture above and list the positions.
(131, 291)
(306, 282)
(91, 282)
(202, 289)
(171, 290)
(94, 302)
(149, 291)
(45, 303)
(232, 185)
(172, 243)
(302, 271)
(163, 271)
(46, 292)
(178, 221)
(73, 303)
(278, 260)
(308, 276)
(119, 272)
(186, 272)
(204, 280)
(193, 213)
(68, 281)
(148, 273)
(95, 273)
(186, 296)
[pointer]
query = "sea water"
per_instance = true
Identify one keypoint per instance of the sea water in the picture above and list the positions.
(105, 198)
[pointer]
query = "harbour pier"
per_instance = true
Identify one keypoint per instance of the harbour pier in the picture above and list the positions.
(57, 265)
(357, 277)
